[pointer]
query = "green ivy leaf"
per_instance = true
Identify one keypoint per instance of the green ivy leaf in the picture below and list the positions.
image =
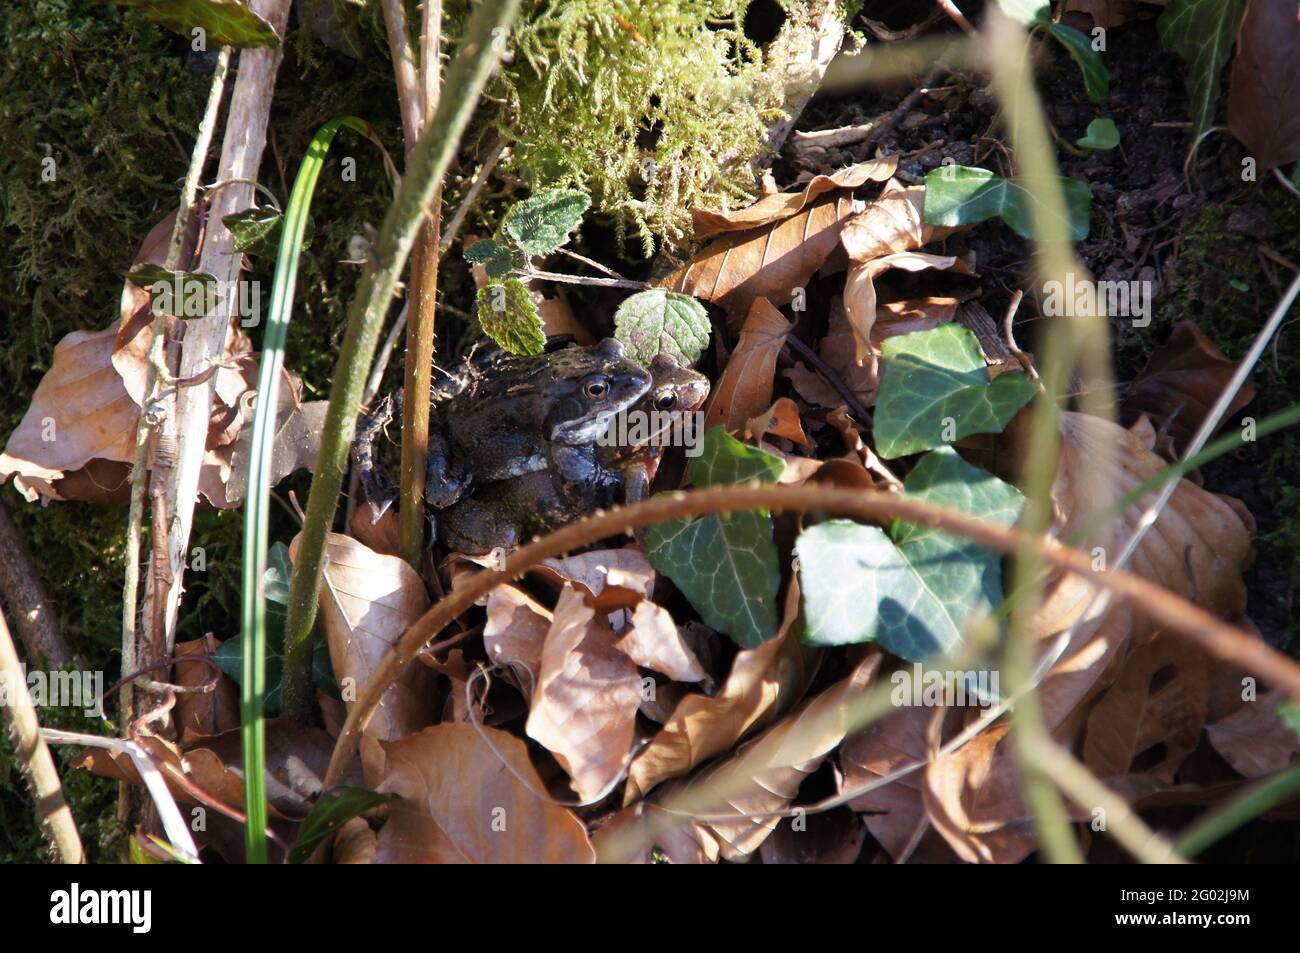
(542, 223)
(725, 565)
(1202, 33)
(508, 316)
(256, 230)
(914, 589)
(1096, 78)
(936, 389)
(662, 322)
(1027, 11)
(1102, 134)
(335, 808)
(957, 195)
(226, 22)
(229, 656)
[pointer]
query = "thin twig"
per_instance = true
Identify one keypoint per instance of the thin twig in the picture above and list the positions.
(583, 280)
(955, 15)
(476, 187)
(831, 377)
(29, 603)
(1174, 613)
(33, 757)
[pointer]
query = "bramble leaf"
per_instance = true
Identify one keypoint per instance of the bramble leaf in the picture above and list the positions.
(662, 322)
(508, 316)
(542, 223)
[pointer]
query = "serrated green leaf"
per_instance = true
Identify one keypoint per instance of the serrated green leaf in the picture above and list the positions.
(726, 566)
(1027, 11)
(256, 230)
(936, 390)
(508, 316)
(542, 223)
(1096, 78)
(229, 656)
(1102, 134)
(497, 260)
(482, 251)
(662, 322)
(914, 589)
(1202, 33)
(957, 195)
(226, 22)
(335, 808)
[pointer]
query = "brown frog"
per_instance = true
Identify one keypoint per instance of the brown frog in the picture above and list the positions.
(616, 466)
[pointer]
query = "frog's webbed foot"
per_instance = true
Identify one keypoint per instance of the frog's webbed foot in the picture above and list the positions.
(378, 488)
(475, 526)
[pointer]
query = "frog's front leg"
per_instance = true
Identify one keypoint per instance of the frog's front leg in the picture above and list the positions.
(378, 488)
(583, 482)
(445, 481)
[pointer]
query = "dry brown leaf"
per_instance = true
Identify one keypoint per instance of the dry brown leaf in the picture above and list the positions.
(779, 205)
(584, 708)
(653, 641)
(763, 681)
(1264, 84)
(1254, 739)
(1181, 381)
(515, 632)
(829, 837)
(1158, 704)
(893, 223)
(768, 262)
(860, 296)
(765, 775)
(204, 713)
(745, 388)
(779, 420)
(471, 795)
(354, 843)
(367, 601)
(591, 571)
(1112, 13)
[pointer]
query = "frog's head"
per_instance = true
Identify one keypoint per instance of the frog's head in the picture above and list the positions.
(649, 425)
(674, 389)
(587, 386)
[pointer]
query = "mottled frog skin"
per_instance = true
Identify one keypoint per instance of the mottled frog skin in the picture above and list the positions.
(581, 478)
(502, 417)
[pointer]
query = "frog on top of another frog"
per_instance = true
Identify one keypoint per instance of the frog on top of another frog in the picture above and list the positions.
(583, 477)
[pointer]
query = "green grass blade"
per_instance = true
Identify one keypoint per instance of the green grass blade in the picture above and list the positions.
(257, 502)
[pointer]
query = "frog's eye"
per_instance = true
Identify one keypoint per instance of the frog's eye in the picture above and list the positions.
(665, 401)
(596, 388)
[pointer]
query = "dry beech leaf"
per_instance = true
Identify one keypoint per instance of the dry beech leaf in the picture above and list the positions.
(1182, 380)
(590, 571)
(516, 629)
(766, 773)
(1157, 704)
(779, 420)
(367, 601)
(471, 795)
(828, 837)
(763, 681)
(584, 708)
(653, 641)
(1264, 84)
(860, 294)
(745, 388)
(1254, 739)
(972, 797)
(204, 713)
(779, 205)
(354, 843)
(767, 262)
(891, 224)
(1197, 549)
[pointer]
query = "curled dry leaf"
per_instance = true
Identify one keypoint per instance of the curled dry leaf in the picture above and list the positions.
(367, 601)
(780, 205)
(745, 388)
(206, 712)
(1157, 705)
(471, 795)
(653, 641)
(1254, 739)
(1264, 84)
(1181, 381)
(779, 420)
(515, 632)
(764, 776)
(768, 262)
(584, 708)
(893, 223)
(591, 571)
(763, 681)
(860, 296)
